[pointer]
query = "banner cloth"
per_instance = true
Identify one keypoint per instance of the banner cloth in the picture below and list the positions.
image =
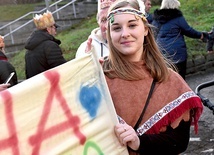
(64, 111)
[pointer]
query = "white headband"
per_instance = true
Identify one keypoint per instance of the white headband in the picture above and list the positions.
(141, 12)
(124, 10)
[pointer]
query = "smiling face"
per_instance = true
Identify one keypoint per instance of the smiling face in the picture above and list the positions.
(127, 35)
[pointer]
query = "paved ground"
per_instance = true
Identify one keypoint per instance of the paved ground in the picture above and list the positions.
(203, 142)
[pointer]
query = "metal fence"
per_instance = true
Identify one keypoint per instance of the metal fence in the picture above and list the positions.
(11, 27)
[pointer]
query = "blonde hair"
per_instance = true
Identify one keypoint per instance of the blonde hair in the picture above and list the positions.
(170, 4)
(155, 62)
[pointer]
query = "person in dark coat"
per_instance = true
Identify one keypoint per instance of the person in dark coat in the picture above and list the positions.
(43, 50)
(170, 29)
(6, 68)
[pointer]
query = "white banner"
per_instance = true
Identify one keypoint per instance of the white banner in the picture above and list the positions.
(63, 111)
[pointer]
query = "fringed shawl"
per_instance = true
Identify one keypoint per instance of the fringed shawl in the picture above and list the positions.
(171, 102)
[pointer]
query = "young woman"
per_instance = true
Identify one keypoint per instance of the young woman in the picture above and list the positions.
(158, 123)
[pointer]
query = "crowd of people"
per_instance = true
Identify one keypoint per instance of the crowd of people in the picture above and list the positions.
(144, 58)
(169, 28)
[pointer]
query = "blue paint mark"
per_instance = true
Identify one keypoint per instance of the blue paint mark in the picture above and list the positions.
(90, 98)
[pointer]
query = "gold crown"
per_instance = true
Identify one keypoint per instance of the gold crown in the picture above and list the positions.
(44, 21)
(1, 41)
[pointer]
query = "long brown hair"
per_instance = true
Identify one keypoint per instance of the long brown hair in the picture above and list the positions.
(156, 63)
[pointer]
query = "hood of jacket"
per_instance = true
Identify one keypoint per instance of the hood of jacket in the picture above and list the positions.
(38, 37)
(97, 36)
(164, 15)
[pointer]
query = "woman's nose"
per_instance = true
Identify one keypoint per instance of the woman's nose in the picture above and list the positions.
(125, 33)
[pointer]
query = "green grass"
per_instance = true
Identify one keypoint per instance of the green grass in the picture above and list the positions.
(199, 15)
(73, 37)
(12, 12)
(18, 62)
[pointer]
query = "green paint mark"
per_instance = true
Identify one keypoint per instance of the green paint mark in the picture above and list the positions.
(93, 145)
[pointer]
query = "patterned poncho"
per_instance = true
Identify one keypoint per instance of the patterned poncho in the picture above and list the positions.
(170, 103)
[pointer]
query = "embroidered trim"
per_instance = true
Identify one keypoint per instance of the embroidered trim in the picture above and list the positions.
(164, 111)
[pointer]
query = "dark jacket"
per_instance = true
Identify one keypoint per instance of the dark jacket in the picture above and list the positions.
(43, 53)
(5, 69)
(149, 18)
(171, 27)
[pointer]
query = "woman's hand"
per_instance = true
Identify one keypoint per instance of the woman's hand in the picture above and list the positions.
(89, 46)
(4, 86)
(127, 136)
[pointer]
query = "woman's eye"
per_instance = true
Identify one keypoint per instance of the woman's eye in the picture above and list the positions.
(116, 28)
(132, 25)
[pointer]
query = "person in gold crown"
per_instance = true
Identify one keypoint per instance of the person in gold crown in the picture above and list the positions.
(6, 67)
(97, 38)
(43, 50)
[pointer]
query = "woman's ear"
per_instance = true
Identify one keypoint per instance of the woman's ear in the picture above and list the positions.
(146, 30)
